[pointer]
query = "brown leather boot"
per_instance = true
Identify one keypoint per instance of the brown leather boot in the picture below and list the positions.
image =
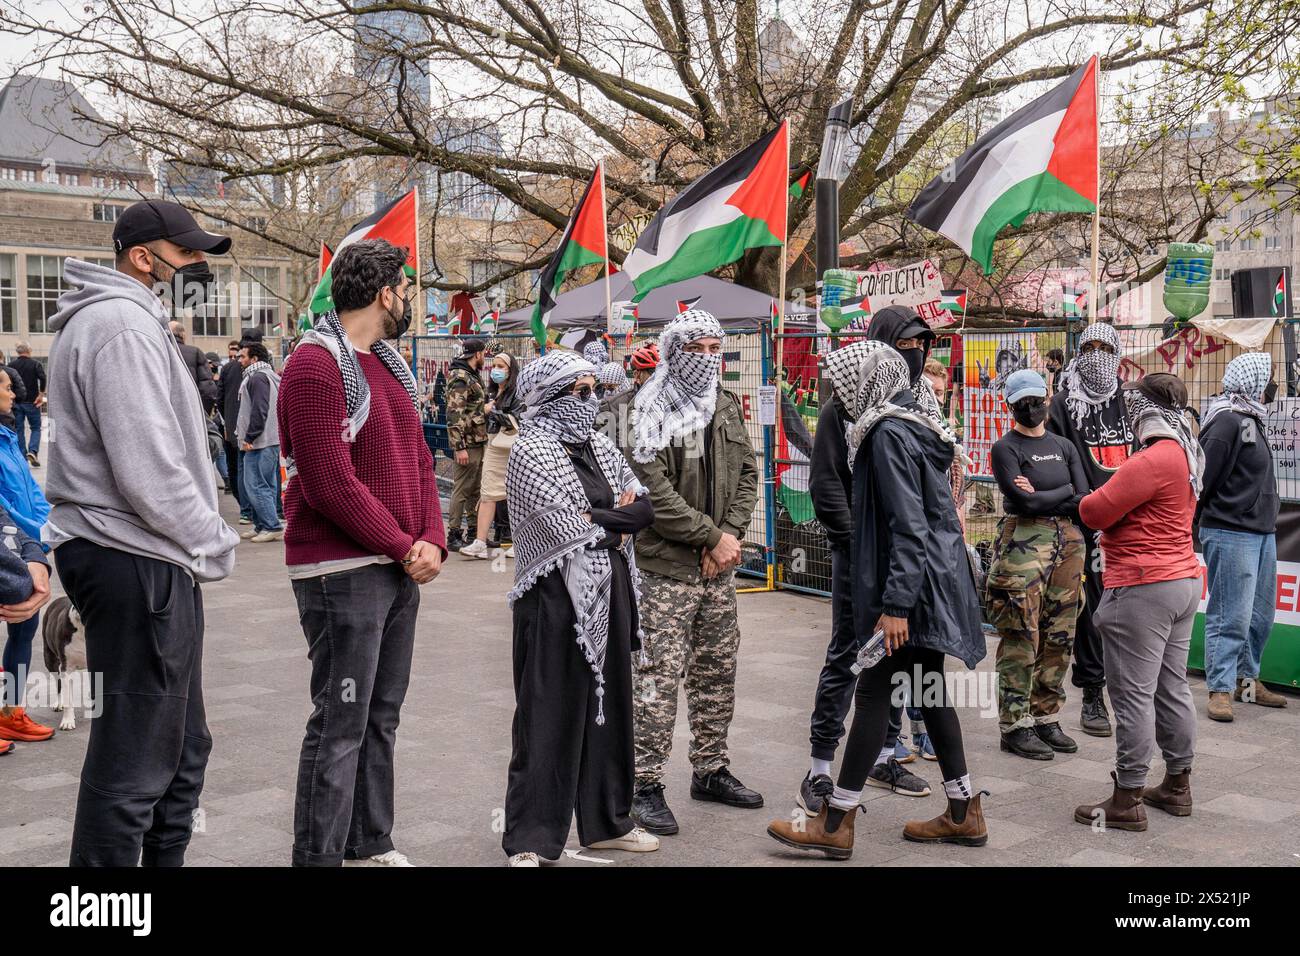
(1123, 811)
(1252, 691)
(1174, 795)
(810, 833)
(971, 831)
(1220, 706)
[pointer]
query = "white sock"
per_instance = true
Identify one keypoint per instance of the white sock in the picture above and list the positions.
(885, 754)
(845, 799)
(959, 789)
(820, 767)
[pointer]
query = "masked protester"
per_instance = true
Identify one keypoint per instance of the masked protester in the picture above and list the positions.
(611, 381)
(136, 533)
(1088, 412)
(596, 353)
(830, 484)
(502, 413)
(577, 504)
(691, 449)
(1034, 575)
(467, 435)
(1153, 585)
(912, 581)
(1237, 519)
(615, 418)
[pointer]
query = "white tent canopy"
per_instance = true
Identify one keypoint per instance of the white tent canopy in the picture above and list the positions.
(732, 305)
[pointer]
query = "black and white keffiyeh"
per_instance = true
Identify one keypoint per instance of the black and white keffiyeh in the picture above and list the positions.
(881, 375)
(1244, 381)
(681, 395)
(1151, 420)
(329, 335)
(614, 378)
(595, 353)
(548, 504)
(848, 368)
(1092, 379)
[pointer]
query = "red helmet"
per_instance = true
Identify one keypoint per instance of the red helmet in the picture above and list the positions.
(646, 357)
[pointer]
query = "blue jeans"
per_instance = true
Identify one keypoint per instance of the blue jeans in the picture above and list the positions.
(259, 479)
(18, 659)
(1239, 616)
(28, 412)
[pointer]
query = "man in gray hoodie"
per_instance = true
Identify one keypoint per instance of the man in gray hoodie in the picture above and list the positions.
(258, 433)
(135, 529)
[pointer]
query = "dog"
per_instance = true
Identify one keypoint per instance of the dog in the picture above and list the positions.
(65, 651)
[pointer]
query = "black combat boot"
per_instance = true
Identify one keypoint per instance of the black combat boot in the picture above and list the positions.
(1093, 718)
(1023, 742)
(1056, 738)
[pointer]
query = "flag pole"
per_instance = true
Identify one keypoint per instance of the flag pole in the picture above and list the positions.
(1093, 295)
(604, 233)
(778, 371)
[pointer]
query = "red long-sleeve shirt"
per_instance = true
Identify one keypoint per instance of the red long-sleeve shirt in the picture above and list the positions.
(374, 495)
(1145, 514)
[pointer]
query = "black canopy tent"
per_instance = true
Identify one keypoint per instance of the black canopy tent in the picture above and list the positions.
(735, 306)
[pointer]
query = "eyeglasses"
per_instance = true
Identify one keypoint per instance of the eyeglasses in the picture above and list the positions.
(582, 391)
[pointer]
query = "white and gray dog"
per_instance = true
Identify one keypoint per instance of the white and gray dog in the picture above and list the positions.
(65, 652)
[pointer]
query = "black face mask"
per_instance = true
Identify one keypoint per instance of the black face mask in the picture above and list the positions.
(1270, 393)
(915, 359)
(190, 283)
(400, 322)
(1029, 412)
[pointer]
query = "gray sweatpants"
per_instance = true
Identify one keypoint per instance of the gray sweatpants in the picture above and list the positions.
(1146, 630)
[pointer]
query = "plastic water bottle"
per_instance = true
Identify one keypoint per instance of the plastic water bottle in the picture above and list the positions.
(870, 653)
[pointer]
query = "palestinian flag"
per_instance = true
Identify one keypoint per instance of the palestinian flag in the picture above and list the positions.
(736, 206)
(396, 222)
(582, 244)
(1041, 158)
(799, 185)
(1074, 301)
(326, 256)
(1279, 295)
(953, 300)
(685, 305)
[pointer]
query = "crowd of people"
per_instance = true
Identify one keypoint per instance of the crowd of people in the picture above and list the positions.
(624, 505)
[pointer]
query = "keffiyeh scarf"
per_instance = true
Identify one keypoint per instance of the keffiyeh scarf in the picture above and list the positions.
(548, 504)
(847, 369)
(1244, 382)
(614, 379)
(1092, 379)
(595, 353)
(881, 375)
(681, 395)
(1151, 420)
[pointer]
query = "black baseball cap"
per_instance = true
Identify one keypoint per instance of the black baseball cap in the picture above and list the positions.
(152, 219)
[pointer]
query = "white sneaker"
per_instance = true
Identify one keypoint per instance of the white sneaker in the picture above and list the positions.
(635, 840)
(264, 536)
(244, 520)
(477, 549)
(247, 534)
(510, 551)
(524, 859)
(391, 858)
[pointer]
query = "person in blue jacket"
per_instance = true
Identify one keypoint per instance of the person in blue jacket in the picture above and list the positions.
(28, 510)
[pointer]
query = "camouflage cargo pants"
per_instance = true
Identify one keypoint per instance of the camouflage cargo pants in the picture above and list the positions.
(1033, 600)
(690, 631)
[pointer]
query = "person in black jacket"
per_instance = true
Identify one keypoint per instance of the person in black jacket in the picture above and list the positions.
(1088, 411)
(1034, 575)
(1237, 518)
(912, 584)
(196, 363)
(28, 409)
(830, 484)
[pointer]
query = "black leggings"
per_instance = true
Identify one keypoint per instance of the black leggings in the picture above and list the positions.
(873, 701)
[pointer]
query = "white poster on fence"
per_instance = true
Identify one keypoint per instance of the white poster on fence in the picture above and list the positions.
(918, 285)
(989, 358)
(1283, 426)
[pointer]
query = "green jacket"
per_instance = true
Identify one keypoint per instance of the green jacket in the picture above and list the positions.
(674, 544)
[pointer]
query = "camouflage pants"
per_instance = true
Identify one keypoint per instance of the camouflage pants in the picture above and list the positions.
(1033, 600)
(690, 631)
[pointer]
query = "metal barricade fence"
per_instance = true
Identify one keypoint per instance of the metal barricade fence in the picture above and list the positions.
(785, 547)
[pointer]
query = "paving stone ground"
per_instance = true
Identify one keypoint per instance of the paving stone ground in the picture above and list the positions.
(454, 746)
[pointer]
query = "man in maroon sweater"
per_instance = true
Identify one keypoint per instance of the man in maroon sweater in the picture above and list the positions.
(364, 530)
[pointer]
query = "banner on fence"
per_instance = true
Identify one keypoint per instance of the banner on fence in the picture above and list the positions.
(918, 286)
(989, 358)
(1194, 355)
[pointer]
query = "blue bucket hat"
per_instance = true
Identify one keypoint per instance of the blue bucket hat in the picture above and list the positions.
(1024, 383)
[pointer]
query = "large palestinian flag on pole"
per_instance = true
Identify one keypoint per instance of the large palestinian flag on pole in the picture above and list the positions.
(1041, 158)
(396, 222)
(738, 205)
(582, 244)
